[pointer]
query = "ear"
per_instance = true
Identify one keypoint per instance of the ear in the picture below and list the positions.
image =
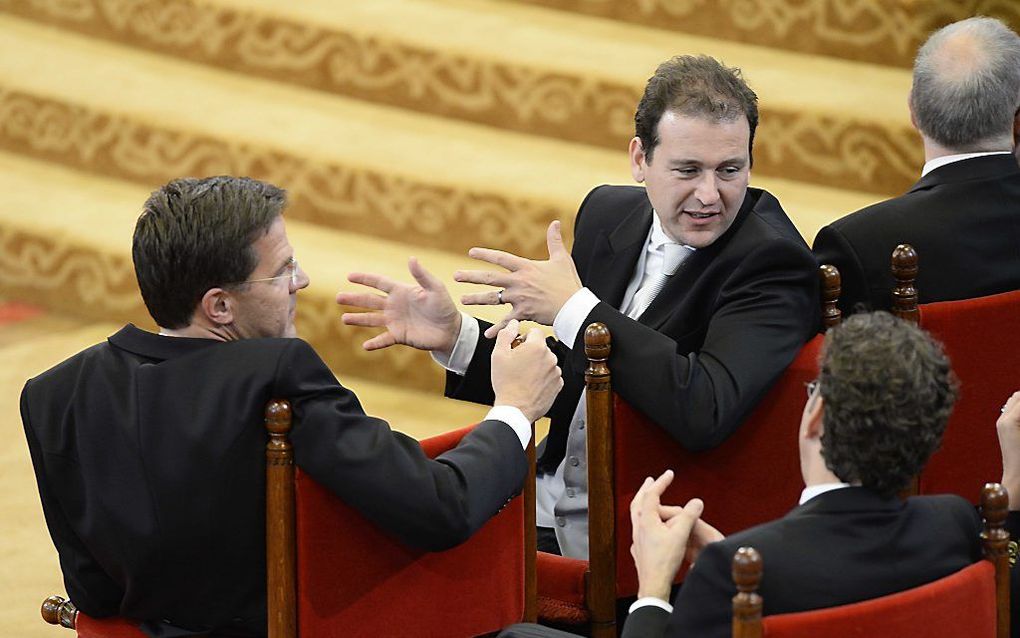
(217, 307)
(637, 160)
(1016, 130)
(813, 416)
(910, 107)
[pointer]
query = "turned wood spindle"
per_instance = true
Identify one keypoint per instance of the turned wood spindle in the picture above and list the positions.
(995, 542)
(280, 538)
(904, 294)
(832, 286)
(747, 569)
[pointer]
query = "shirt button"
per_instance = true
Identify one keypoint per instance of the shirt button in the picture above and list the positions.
(574, 461)
(570, 492)
(562, 522)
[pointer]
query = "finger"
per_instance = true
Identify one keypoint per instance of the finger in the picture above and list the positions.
(635, 503)
(506, 335)
(490, 298)
(660, 484)
(368, 319)
(379, 282)
(366, 300)
(507, 260)
(486, 277)
(534, 336)
(554, 240)
(425, 279)
(493, 330)
(378, 342)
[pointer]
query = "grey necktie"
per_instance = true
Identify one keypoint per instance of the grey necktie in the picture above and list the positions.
(674, 255)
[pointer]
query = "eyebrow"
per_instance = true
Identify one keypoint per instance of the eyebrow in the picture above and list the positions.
(738, 161)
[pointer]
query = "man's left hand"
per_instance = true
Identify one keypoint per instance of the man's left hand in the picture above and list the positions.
(1008, 428)
(536, 290)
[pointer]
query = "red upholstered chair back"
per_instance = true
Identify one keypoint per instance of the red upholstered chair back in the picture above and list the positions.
(89, 627)
(762, 456)
(355, 580)
(982, 338)
(962, 604)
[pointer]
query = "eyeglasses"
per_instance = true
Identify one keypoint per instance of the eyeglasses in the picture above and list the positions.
(812, 387)
(290, 272)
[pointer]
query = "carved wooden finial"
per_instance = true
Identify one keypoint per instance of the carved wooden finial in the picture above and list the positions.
(994, 505)
(278, 417)
(597, 341)
(747, 568)
(904, 272)
(832, 286)
(58, 611)
(995, 542)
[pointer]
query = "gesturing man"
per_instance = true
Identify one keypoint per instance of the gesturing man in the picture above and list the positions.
(707, 287)
(149, 451)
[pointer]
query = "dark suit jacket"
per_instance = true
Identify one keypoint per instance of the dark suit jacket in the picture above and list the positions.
(149, 453)
(962, 218)
(712, 342)
(840, 547)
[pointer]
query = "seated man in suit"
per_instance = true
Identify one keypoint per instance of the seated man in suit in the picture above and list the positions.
(149, 449)
(871, 421)
(705, 283)
(961, 216)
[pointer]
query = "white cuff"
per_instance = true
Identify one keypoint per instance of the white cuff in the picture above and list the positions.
(568, 320)
(514, 418)
(463, 349)
(650, 601)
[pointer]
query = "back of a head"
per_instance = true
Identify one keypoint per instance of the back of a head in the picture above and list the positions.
(966, 86)
(695, 85)
(888, 390)
(196, 234)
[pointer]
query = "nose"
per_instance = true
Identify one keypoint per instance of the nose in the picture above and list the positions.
(707, 190)
(302, 279)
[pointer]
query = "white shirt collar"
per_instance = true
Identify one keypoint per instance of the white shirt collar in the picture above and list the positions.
(812, 491)
(931, 165)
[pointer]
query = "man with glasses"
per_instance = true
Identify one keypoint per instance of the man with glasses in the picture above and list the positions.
(871, 421)
(149, 448)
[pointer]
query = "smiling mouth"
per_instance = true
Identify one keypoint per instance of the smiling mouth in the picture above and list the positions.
(700, 215)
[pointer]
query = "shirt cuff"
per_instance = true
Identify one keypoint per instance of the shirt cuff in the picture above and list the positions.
(463, 349)
(568, 320)
(514, 418)
(650, 601)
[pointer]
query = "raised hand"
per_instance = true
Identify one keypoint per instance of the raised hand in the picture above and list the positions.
(535, 290)
(421, 316)
(1008, 429)
(661, 536)
(527, 376)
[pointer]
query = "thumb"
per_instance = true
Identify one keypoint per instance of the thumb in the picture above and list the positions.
(506, 336)
(554, 240)
(425, 279)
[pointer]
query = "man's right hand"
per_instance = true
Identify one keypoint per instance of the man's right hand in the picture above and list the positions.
(421, 316)
(527, 376)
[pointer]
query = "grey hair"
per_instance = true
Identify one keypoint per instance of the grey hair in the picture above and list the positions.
(966, 87)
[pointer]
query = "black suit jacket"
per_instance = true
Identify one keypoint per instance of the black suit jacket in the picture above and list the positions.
(964, 220)
(149, 453)
(838, 548)
(711, 343)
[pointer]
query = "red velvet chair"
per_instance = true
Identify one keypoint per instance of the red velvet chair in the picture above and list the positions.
(335, 574)
(624, 447)
(332, 573)
(973, 602)
(983, 343)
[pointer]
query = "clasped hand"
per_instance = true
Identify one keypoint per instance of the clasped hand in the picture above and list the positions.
(535, 290)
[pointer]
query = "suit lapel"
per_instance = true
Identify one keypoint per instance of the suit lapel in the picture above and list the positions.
(615, 253)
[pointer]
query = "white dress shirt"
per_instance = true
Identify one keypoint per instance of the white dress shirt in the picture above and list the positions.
(931, 165)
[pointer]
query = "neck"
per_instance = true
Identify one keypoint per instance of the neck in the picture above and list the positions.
(198, 331)
(934, 150)
(813, 470)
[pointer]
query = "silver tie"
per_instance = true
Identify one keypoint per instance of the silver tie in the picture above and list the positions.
(674, 255)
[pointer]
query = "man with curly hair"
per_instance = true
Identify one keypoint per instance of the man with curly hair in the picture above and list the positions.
(872, 419)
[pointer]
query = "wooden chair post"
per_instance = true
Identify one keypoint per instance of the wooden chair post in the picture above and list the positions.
(601, 592)
(281, 583)
(832, 286)
(995, 541)
(56, 610)
(530, 538)
(747, 603)
(904, 294)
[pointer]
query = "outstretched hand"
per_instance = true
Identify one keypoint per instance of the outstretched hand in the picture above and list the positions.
(421, 316)
(535, 290)
(661, 536)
